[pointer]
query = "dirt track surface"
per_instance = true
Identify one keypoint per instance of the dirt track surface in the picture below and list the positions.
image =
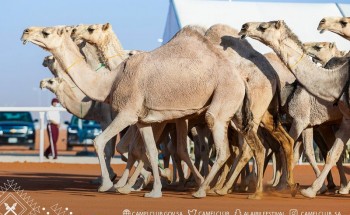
(68, 185)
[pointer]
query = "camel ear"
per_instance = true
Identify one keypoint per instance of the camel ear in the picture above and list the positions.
(106, 26)
(332, 45)
(278, 24)
(60, 31)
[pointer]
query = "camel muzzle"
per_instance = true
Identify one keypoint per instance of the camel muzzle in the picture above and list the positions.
(243, 32)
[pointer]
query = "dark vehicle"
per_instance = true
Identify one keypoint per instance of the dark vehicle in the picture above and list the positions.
(89, 130)
(17, 128)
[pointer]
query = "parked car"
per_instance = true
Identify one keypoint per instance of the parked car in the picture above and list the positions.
(89, 130)
(17, 128)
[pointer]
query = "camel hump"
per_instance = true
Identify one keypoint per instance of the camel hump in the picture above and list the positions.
(226, 29)
(225, 35)
(191, 30)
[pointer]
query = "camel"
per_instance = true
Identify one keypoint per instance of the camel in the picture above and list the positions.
(78, 104)
(262, 81)
(89, 51)
(322, 52)
(338, 25)
(105, 41)
(109, 48)
(207, 82)
(328, 84)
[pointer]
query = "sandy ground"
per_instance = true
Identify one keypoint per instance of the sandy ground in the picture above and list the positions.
(68, 185)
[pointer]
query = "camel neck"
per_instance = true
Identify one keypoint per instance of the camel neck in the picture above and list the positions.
(90, 54)
(322, 83)
(71, 97)
(73, 101)
(111, 51)
(96, 85)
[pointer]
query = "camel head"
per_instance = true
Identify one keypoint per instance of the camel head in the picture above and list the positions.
(51, 84)
(338, 25)
(269, 33)
(76, 31)
(321, 52)
(48, 38)
(51, 63)
(96, 34)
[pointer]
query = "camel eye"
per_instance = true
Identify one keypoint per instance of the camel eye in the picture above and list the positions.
(90, 30)
(46, 34)
(317, 48)
(343, 23)
(262, 28)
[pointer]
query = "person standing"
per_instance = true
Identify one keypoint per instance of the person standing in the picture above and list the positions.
(53, 124)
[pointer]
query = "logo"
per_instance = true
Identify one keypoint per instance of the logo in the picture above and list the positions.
(293, 212)
(192, 212)
(238, 212)
(11, 205)
(126, 212)
(15, 201)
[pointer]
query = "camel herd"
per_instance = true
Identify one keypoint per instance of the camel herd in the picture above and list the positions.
(210, 86)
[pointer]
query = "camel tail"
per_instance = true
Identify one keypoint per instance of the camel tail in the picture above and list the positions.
(247, 114)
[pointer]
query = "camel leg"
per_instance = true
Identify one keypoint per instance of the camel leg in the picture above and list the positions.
(342, 136)
(197, 148)
(182, 130)
(172, 150)
(222, 179)
(344, 187)
(127, 188)
(297, 152)
(219, 130)
(129, 164)
(283, 180)
(119, 123)
(307, 135)
(274, 169)
(321, 137)
(287, 144)
(123, 145)
(109, 153)
(279, 168)
(152, 154)
(328, 137)
(204, 137)
(246, 155)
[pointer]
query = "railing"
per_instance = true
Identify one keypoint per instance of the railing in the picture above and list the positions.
(41, 111)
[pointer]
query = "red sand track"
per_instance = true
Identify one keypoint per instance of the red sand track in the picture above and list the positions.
(68, 185)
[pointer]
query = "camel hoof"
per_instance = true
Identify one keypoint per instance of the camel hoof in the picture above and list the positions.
(106, 188)
(221, 192)
(199, 194)
(124, 190)
(154, 194)
(308, 193)
(323, 189)
(342, 191)
(294, 189)
(255, 196)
